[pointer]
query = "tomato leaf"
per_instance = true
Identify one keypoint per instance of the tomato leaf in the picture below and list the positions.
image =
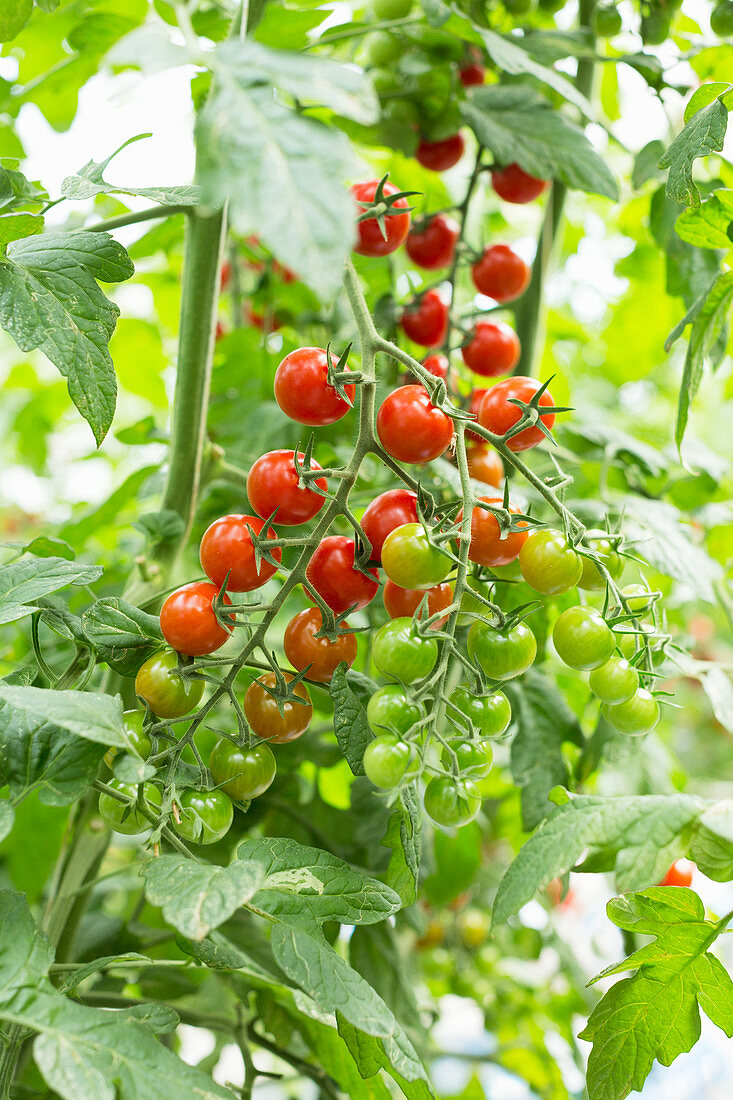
(703, 134)
(13, 17)
(91, 715)
(24, 582)
(709, 225)
(404, 838)
(7, 817)
(349, 720)
(123, 635)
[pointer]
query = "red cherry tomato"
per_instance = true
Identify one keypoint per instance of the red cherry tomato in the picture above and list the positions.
(501, 274)
(486, 546)
(265, 322)
(410, 428)
(403, 602)
(273, 483)
(434, 244)
(497, 415)
(227, 548)
(389, 510)
(271, 718)
(513, 184)
(318, 655)
(302, 390)
(437, 363)
(225, 274)
(439, 156)
(679, 874)
(426, 322)
(472, 74)
(336, 579)
(188, 621)
(474, 405)
(484, 464)
(492, 350)
(371, 240)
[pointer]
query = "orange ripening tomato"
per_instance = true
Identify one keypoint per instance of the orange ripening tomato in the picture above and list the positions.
(487, 547)
(484, 464)
(320, 656)
(272, 719)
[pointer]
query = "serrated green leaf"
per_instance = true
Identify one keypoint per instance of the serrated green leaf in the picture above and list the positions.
(24, 582)
(404, 838)
(665, 538)
(122, 635)
(712, 844)
(646, 164)
(709, 225)
(87, 714)
(15, 226)
(702, 135)
(197, 897)
(707, 326)
(349, 720)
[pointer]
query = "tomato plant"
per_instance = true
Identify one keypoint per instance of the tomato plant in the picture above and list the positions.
(484, 464)
(411, 560)
(274, 486)
(390, 709)
(303, 392)
(392, 509)
(389, 762)
(549, 563)
(386, 231)
(433, 244)
(425, 322)
(317, 656)
(160, 684)
(205, 816)
(334, 574)
(513, 184)
(451, 802)
(275, 712)
(492, 350)
(400, 652)
(501, 274)
(404, 602)
(491, 544)
(411, 428)
(229, 556)
(490, 714)
(439, 156)
(242, 772)
(582, 639)
(499, 412)
(502, 654)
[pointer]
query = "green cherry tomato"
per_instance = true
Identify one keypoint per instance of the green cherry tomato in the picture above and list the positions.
(607, 21)
(206, 816)
(391, 9)
(502, 654)
(582, 638)
(389, 710)
(637, 716)
(161, 686)
(655, 28)
(410, 561)
(400, 653)
(383, 48)
(721, 19)
(470, 606)
(638, 597)
(242, 772)
(628, 638)
(121, 816)
(139, 741)
(390, 762)
(474, 757)
(591, 578)
(490, 714)
(614, 682)
(451, 802)
(518, 7)
(549, 563)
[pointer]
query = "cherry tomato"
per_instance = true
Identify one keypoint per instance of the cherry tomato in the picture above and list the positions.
(451, 802)
(161, 686)
(401, 653)
(372, 240)
(411, 428)
(591, 578)
(242, 772)
(433, 245)
(472, 74)
(387, 511)
(225, 274)
(426, 322)
(206, 816)
(498, 415)
(139, 741)
(631, 636)
(267, 321)
(513, 184)
(274, 719)
(439, 156)
(188, 621)
(474, 407)
(549, 563)
(502, 654)
(411, 561)
(228, 554)
(383, 48)
(638, 597)
(404, 602)
(273, 482)
(302, 390)
(582, 638)
(484, 464)
(490, 714)
(124, 817)
(473, 927)
(607, 21)
(614, 682)
(721, 20)
(320, 656)
(679, 874)
(391, 9)
(487, 546)
(501, 274)
(390, 710)
(637, 716)
(437, 363)
(335, 577)
(492, 350)
(475, 758)
(390, 762)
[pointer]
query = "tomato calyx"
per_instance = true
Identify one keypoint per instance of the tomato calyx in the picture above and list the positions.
(339, 377)
(383, 206)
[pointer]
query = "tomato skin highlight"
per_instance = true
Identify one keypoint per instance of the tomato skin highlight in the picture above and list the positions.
(497, 415)
(387, 511)
(334, 576)
(433, 245)
(390, 762)
(400, 653)
(502, 654)
(227, 548)
(188, 621)
(485, 464)
(389, 710)
(272, 483)
(680, 873)
(582, 638)
(426, 322)
(263, 713)
(243, 773)
(409, 559)
(486, 546)
(206, 816)
(493, 350)
(549, 563)
(637, 716)
(370, 241)
(412, 429)
(403, 602)
(615, 682)
(501, 274)
(302, 390)
(303, 649)
(513, 184)
(490, 714)
(439, 156)
(450, 803)
(159, 684)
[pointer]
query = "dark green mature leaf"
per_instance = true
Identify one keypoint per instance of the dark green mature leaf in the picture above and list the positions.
(197, 897)
(655, 1014)
(23, 582)
(511, 57)
(709, 225)
(122, 635)
(49, 299)
(544, 721)
(404, 838)
(349, 720)
(689, 269)
(517, 124)
(702, 135)
(370, 1054)
(641, 833)
(374, 952)
(87, 714)
(456, 861)
(333, 1055)
(712, 844)
(646, 164)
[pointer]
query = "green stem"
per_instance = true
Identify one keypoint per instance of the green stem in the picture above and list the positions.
(148, 215)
